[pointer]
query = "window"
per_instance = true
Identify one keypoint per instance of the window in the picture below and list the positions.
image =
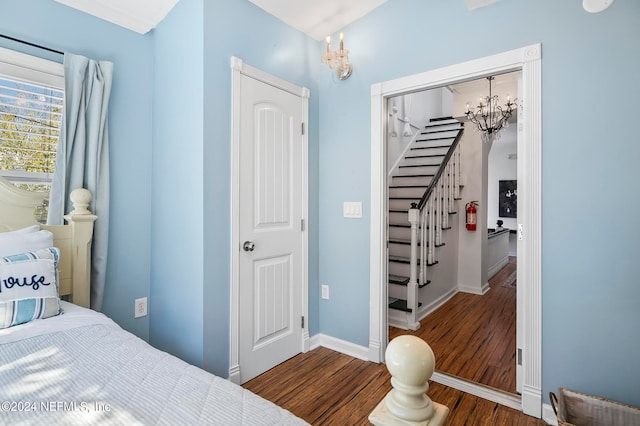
(31, 105)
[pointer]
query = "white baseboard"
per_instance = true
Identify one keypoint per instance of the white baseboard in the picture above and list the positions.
(234, 374)
(399, 319)
(474, 290)
(502, 398)
(338, 345)
(426, 310)
(497, 267)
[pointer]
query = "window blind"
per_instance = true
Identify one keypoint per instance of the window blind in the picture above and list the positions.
(30, 118)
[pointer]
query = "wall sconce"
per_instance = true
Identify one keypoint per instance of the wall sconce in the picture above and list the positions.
(338, 60)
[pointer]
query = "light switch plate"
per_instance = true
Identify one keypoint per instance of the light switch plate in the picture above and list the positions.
(352, 209)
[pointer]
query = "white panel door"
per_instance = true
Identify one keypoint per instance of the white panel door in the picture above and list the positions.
(271, 238)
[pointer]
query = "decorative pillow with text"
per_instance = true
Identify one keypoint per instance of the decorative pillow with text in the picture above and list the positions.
(29, 287)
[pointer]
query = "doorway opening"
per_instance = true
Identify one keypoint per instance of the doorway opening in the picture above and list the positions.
(468, 294)
(528, 61)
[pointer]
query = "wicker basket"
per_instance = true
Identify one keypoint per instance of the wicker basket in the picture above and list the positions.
(579, 409)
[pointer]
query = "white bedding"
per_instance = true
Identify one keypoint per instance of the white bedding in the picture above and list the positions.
(80, 368)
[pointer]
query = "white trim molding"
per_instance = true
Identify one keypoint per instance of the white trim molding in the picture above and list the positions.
(239, 68)
(493, 395)
(528, 61)
(338, 345)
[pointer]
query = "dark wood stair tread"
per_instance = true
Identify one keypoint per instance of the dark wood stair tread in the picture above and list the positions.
(431, 131)
(396, 279)
(417, 165)
(399, 241)
(399, 259)
(404, 281)
(425, 156)
(411, 176)
(401, 305)
(429, 147)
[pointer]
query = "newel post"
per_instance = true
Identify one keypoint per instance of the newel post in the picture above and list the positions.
(412, 287)
(81, 222)
(411, 363)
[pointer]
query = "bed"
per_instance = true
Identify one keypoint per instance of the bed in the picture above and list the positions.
(78, 366)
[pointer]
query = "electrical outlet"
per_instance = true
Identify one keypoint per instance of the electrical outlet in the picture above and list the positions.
(140, 308)
(325, 291)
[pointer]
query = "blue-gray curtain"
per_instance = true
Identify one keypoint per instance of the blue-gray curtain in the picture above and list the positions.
(83, 155)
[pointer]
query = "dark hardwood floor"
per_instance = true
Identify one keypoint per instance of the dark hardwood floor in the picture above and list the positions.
(474, 337)
(325, 387)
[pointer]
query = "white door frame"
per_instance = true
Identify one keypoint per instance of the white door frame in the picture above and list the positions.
(528, 60)
(238, 68)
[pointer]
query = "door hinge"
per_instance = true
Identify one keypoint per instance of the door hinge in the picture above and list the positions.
(302, 225)
(302, 128)
(519, 356)
(302, 323)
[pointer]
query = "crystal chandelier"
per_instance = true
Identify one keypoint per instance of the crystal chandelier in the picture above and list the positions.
(489, 117)
(338, 60)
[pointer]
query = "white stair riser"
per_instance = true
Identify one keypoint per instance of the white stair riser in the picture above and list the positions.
(399, 233)
(399, 218)
(424, 161)
(438, 133)
(401, 204)
(417, 170)
(403, 250)
(406, 181)
(401, 269)
(445, 125)
(414, 192)
(397, 291)
(430, 151)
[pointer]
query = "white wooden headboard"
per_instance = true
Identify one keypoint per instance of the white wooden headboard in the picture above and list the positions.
(73, 240)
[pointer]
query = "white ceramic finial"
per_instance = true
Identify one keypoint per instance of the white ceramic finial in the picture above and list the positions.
(80, 198)
(411, 363)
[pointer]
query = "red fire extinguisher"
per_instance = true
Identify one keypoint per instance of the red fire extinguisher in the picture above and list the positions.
(472, 218)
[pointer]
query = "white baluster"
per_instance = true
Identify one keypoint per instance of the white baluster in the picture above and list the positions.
(412, 287)
(411, 363)
(431, 231)
(439, 212)
(445, 201)
(458, 170)
(451, 185)
(423, 246)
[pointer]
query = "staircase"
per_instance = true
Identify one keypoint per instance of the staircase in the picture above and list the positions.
(422, 193)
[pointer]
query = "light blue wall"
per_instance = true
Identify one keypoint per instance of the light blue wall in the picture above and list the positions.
(176, 297)
(191, 201)
(590, 89)
(61, 28)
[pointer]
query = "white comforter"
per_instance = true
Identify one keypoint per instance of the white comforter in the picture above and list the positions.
(80, 368)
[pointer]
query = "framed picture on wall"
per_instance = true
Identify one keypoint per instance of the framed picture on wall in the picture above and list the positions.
(508, 198)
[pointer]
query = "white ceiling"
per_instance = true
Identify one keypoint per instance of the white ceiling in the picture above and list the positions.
(318, 18)
(140, 16)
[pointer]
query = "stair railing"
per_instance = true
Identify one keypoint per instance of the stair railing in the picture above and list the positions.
(428, 218)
